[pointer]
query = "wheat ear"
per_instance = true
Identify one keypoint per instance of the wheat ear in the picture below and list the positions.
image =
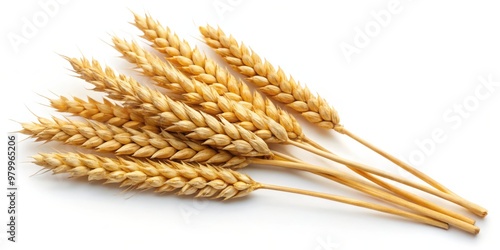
(270, 81)
(105, 112)
(178, 117)
(188, 179)
(126, 141)
(194, 62)
(284, 89)
(207, 96)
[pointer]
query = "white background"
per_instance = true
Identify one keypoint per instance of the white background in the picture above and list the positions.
(394, 92)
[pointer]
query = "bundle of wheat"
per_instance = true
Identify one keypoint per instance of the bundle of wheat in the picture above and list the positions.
(206, 121)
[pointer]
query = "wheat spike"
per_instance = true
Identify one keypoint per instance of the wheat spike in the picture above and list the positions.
(188, 179)
(127, 141)
(105, 111)
(194, 62)
(197, 93)
(178, 117)
(270, 81)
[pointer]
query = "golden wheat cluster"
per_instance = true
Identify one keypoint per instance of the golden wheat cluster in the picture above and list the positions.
(203, 123)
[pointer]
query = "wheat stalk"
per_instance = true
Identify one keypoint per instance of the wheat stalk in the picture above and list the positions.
(274, 82)
(194, 62)
(188, 179)
(127, 141)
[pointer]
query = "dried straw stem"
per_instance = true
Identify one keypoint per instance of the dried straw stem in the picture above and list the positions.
(380, 194)
(188, 179)
(176, 116)
(126, 141)
(396, 190)
(474, 208)
(195, 63)
(354, 202)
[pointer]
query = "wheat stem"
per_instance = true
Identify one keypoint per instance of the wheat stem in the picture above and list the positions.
(407, 195)
(380, 194)
(354, 202)
(476, 209)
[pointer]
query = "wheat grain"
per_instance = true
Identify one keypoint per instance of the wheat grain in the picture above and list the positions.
(127, 141)
(270, 81)
(194, 62)
(188, 179)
